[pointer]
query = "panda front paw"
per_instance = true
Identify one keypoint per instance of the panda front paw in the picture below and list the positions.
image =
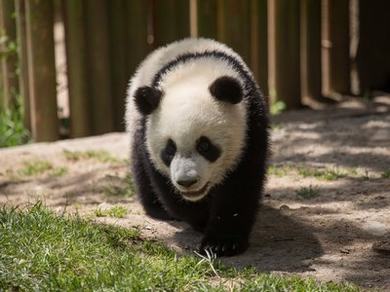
(227, 246)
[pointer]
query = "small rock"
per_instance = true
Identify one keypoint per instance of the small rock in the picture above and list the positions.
(284, 208)
(382, 247)
(345, 250)
(375, 228)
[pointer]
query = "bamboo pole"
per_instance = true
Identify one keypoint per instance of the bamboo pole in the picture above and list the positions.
(42, 73)
(259, 43)
(118, 55)
(20, 7)
(98, 66)
(75, 34)
(207, 18)
(336, 59)
(9, 58)
(139, 32)
(233, 26)
(283, 48)
(2, 97)
(310, 50)
(172, 21)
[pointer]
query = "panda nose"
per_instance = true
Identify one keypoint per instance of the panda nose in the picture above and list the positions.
(187, 182)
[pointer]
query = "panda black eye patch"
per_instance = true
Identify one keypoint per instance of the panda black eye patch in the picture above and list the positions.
(168, 152)
(207, 149)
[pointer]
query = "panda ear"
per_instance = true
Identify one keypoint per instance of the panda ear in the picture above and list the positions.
(227, 89)
(147, 99)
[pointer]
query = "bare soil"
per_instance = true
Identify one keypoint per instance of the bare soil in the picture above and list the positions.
(340, 232)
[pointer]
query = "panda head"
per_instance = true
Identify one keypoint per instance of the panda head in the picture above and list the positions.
(195, 131)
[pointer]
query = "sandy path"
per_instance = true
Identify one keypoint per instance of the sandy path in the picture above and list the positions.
(329, 236)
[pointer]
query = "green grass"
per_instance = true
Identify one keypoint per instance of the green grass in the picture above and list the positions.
(386, 174)
(97, 155)
(35, 167)
(45, 252)
(115, 211)
(123, 190)
(59, 171)
(12, 130)
(279, 170)
(277, 107)
(39, 167)
(329, 174)
(308, 192)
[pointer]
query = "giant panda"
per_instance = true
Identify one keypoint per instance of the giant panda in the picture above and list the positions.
(198, 131)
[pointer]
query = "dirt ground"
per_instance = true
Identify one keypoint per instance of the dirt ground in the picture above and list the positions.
(339, 231)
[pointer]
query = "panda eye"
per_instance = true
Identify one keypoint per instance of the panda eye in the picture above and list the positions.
(170, 149)
(203, 146)
(168, 152)
(207, 149)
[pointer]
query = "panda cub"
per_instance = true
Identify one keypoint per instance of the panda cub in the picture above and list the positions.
(199, 140)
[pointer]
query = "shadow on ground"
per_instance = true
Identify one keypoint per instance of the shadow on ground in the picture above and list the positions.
(278, 243)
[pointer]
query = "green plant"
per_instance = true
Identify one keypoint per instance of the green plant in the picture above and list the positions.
(12, 129)
(279, 170)
(37, 167)
(386, 174)
(98, 155)
(124, 189)
(308, 192)
(329, 174)
(277, 107)
(115, 211)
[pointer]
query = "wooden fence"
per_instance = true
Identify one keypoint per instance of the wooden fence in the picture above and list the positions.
(299, 51)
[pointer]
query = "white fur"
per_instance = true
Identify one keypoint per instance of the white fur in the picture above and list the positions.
(187, 111)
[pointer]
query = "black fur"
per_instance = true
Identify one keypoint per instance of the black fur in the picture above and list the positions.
(207, 149)
(226, 215)
(168, 152)
(226, 89)
(147, 99)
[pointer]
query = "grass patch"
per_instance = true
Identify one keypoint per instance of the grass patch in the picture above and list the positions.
(97, 155)
(329, 174)
(43, 251)
(277, 107)
(125, 189)
(59, 171)
(115, 211)
(38, 167)
(279, 170)
(308, 192)
(35, 167)
(385, 174)
(12, 130)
